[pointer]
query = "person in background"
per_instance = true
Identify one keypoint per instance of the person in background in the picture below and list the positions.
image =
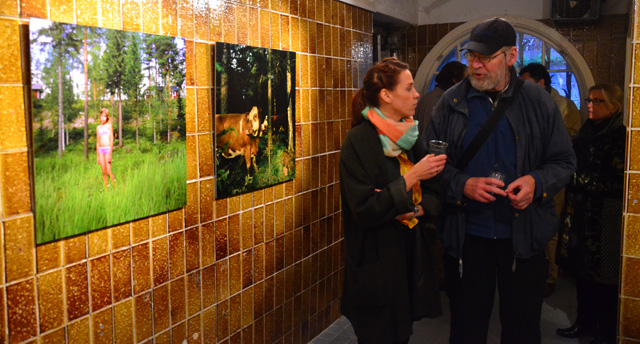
(450, 74)
(495, 232)
(590, 237)
(389, 189)
(538, 74)
(104, 148)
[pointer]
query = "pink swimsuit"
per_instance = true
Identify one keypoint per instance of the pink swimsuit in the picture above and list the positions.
(103, 131)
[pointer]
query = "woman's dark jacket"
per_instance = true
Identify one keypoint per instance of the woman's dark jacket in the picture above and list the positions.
(385, 287)
(543, 147)
(591, 232)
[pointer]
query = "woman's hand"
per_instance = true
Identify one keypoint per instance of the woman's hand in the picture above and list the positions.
(410, 215)
(424, 169)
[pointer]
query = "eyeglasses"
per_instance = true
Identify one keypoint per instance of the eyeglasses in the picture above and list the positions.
(482, 58)
(595, 102)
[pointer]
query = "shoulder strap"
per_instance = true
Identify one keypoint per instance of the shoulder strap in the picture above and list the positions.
(488, 127)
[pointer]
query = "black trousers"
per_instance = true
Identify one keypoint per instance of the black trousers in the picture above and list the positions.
(485, 263)
(597, 307)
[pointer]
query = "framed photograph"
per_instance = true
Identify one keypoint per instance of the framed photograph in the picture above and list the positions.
(255, 118)
(108, 129)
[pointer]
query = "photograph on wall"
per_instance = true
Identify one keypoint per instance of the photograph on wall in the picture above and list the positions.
(255, 118)
(108, 127)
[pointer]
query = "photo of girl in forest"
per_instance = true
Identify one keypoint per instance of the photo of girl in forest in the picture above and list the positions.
(104, 147)
(121, 94)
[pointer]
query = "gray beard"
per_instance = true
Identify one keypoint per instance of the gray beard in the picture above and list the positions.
(490, 83)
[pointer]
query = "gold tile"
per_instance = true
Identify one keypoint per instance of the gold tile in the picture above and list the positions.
(193, 207)
(194, 290)
(206, 201)
(121, 275)
(204, 109)
(295, 34)
(34, 8)
(279, 218)
(234, 204)
(631, 277)
(103, 327)
(79, 331)
(630, 318)
(222, 279)
(120, 236)
(222, 208)
(100, 281)
(207, 243)
(123, 321)
(19, 248)
(264, 29)
(275, 30)
(190, 115)
(313, 82)
(141, 268)
(178, 300)
(269, 229)
(110, 18)
(258, 225)
(192, 157)
(636, 76)
(215, 22)
(55, 337)
(235, 313)
(222, 317)
(11, 107)
(632, 236)
(258, 263)
(234, 234)
(179, 333)
(254, 22)
(229, 23)
(208, 281)
(22, 320)
(192, 251)
(98, 242)
(87, 12)
(190, 61)
(14, 183)
(131, 18)
(176, 219)
(143, 316)
(9, 8)
(201, 11)
(161, 310)
(77, 291)
(194, 329)
(139, 231)
(75, 249)
(247, 269)
(163, 338)
(247, 307)
(185, 13)
(633, 202)
(160, 254)
(151, 16)
(169, 17)
(242, 28)
(203, 64)
(247, 230)
(50, 301)
(222, 239)
(304, 94)
(209, 325)
(205, 150)
(176, 255)
(634, 150)
(235, 273)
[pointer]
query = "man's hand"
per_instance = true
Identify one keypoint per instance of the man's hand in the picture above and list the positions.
(483, 189)
(521, 191)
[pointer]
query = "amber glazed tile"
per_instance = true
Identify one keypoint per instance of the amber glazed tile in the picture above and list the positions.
(121, 275)
(98, 242)
(143, 316)
(77, 291)
(242, 27)
(176, 220)
(54, 337)
(209, 325)
(636, 76)
(160, 256)
(234, 234)
(630, 318)
(179, 333)
(131, 15)
(161, 310)
(264, 29)
(194, 329)
(74, 249)
(120, 236)
(178, 300)
(631, 277)
(151, 16)
(215, 20)
(19, 248)
(633, 202)
(139, 231)
(229, 23)
(295, 34)
(207, 244)
(222, 208)
(10, 8)
(79, 331)
(11, 108)
(123, 322)
(634, 150)
(635, 103)
(14, 183)
(221, 239)
(21, 311)
(50, 301)
(204, 109)
(110, 17)
(235, 313)
(235, 273)
(191, 110)
(205, 155)
(206, 201)
(34, 8)
(201, 14)
(190, 61)
(192, 217)
(87, 12)
(100, 282)
(203, 64)
(176, 255)
(222, 279)
(158, 225)
(234, 204)
(194, 290)
(192, 249)
(192, 157)
(186, 25)
(103, 327)
(632, 236)
(247, 229)
(163, 338)
(208, 282)
(141, 268)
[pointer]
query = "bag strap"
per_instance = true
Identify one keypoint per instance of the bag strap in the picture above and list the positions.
(488, 128)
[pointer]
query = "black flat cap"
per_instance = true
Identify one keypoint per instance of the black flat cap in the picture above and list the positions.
(490, 36)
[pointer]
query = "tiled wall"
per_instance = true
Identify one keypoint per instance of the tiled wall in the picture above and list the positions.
(630, 285)
(602, 44)
(263, 267)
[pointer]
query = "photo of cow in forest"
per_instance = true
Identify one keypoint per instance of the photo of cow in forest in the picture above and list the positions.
(255, 118)
(108, 126)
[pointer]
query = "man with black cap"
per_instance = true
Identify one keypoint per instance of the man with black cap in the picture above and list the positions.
(508, 154)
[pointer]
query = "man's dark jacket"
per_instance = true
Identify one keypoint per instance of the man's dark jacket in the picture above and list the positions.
(543, 147)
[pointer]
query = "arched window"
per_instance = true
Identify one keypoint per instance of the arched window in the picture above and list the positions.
(537, 42)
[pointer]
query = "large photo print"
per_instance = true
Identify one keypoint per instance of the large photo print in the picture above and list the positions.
(108, 127)
(255, 118)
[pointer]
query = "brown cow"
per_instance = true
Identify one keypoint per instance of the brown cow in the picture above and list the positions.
(239, 133)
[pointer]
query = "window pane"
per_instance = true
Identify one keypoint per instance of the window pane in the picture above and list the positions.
(555, 60)
(451, 56)
(567, 86)
(531, 49)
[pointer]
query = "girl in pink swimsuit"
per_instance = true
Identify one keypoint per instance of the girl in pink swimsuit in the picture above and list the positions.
(104, 147)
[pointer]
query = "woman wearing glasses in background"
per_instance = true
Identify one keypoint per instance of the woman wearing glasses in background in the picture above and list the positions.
(591, 230)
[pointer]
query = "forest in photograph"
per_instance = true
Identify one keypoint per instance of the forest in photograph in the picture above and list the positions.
(255, 118)
(105, 100)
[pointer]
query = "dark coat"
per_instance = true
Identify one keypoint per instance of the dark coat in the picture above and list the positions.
(590, 234)
(389, 276)
(543, 147)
